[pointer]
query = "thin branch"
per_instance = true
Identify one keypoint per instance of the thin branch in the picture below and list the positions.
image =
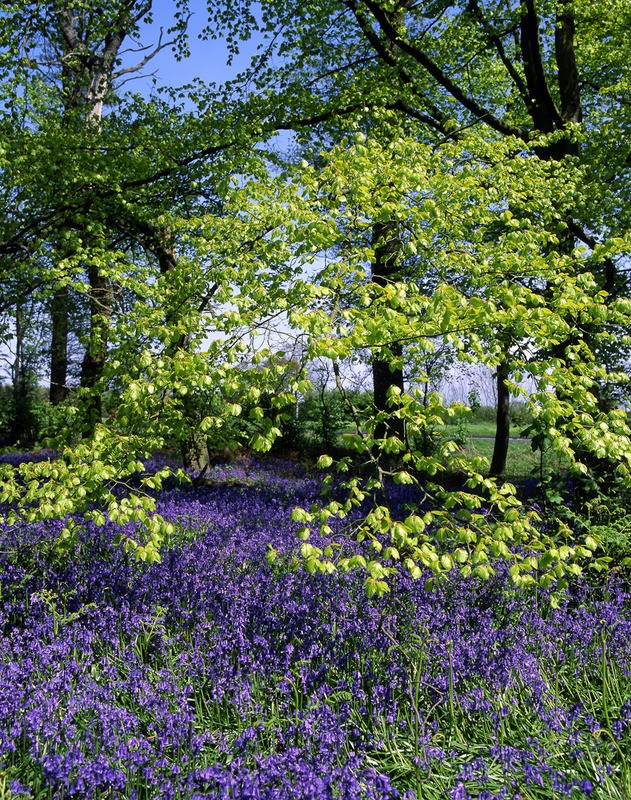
(137, 67)
(422, 58)
(496, 41)
(609, 264)
(341, 68)
(138, 77)
(142, 12)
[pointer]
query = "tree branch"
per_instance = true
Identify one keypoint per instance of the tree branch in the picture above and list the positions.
(566, 63)
(609, 264)
(64, 17)
(160, 46)
(402, 44)
(544, 112)
(496, 41)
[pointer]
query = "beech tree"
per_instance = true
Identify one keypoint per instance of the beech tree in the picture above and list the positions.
(449, 203)
(472, 238)
(94, 207)
(544, 71)
(66, 63)
(88, 202)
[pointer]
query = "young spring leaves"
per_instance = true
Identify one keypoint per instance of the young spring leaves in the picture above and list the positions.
(477, 223)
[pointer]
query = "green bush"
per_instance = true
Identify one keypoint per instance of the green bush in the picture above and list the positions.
(521, 415)
(323, 415)
(483, 414)
(57, 422)
(19, 419)
(615, 540)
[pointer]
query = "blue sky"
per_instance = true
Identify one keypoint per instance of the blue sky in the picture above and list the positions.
(207, 61)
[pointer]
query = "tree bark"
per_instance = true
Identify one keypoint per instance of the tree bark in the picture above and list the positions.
(59, 347)
(502, 422)
(87, 70)
(569, 85)
(23, 423)
(384, 377)
(386, 372)
(96, 350)
(17, 376)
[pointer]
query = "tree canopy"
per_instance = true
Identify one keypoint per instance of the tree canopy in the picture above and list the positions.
(462, 180)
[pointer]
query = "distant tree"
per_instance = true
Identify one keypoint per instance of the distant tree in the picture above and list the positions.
(25, 354)
(66, 61)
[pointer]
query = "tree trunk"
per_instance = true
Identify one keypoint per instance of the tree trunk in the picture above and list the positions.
(59, 347)
(384, 377)
(502, 428)
(96, 350)
(385, 373)
(17, 379)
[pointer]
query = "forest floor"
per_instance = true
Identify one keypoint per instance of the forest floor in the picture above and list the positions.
(215, 674)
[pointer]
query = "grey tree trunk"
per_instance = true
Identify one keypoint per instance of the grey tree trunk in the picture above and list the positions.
(22, 422)
(88, 69)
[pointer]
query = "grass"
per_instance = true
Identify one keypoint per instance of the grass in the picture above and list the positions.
(521, 461)
(484, 428)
